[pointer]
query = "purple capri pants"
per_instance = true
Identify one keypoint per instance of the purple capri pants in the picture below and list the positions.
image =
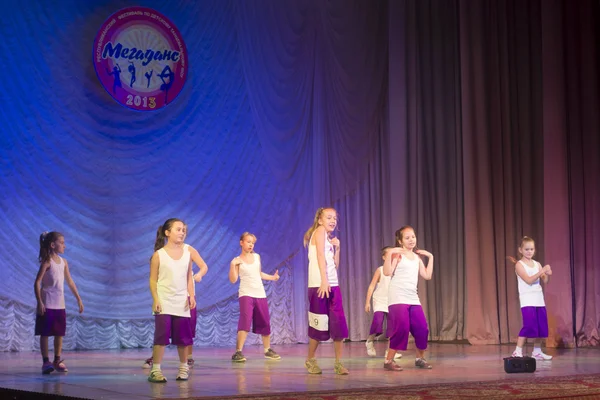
(535, 322)
(377, 324)
(404, 319)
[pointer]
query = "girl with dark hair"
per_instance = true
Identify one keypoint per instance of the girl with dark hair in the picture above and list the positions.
(405, 314)
(172, 288)
(51, 318)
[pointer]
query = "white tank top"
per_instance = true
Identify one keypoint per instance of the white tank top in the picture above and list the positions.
(531, 295)
(314, 274)
(251, 283)
(380, 295)
(172, 283)
(403, 282)
(53, 286)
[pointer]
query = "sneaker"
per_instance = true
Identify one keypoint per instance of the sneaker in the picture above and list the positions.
(47, 367)
(156, 376)
(190, 362)
(312, 366)
(270, 354)
(370, 348)
(148, 363)
(59, 366)
(540, 355)
(392, 366)
(238, 357)
(517, 354)
(183, 373)
(422, 363)
(339, 369)
(397, 356)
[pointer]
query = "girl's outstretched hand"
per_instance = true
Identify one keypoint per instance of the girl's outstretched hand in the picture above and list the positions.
(156, 307)
(276, 275)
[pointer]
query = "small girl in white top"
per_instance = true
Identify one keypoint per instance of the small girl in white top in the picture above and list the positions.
(533, 308)
(406, 315)
(171, 284)
(51, 319)
(378, 290)
(193, 311)
(254, 309)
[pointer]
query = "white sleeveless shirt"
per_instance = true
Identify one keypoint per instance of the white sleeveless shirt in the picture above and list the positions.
(314, 274)
(172, 283)
(53, 285)
(531, 295)
(380, 295)
(403, 283)
(251, 283)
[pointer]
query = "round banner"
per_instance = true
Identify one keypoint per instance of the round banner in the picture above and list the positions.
(140, 58)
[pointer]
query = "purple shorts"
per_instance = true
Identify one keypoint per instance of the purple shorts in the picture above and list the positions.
(377, 324)
(178, 329)
(404, 319)
(535, 322)
(254, 312)
(326, 317)
(52, 323)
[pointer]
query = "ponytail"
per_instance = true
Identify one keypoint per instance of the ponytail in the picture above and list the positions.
(159, 243)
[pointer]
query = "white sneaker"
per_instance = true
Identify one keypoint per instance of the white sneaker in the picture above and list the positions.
(183, 373)
(397, 356)
(370, 348)
(539, 355)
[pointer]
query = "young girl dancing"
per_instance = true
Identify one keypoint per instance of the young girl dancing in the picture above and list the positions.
(378, 290)
(406, 315)
(533, 308)
(254, 309)
(326, 311)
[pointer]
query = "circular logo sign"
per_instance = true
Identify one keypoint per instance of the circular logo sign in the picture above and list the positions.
(140, 58)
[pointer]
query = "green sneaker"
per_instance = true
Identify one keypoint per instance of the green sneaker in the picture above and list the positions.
(312, 366)
(339, 369)
(156, 376)
(238, 357)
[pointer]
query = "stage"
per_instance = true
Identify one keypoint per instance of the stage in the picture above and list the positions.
(118, 374)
